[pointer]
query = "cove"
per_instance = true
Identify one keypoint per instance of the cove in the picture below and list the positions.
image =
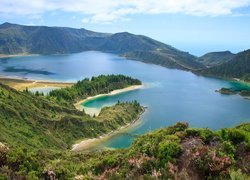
(171, 95)
(94, 111)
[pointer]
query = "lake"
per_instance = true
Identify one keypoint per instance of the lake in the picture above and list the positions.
(170, 95)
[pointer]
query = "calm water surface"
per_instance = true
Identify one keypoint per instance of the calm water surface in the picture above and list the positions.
(170, 95)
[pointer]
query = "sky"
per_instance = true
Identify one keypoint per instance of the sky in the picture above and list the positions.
(195, 26)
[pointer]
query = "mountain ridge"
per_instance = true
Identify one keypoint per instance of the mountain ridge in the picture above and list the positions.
(238, 67)
(215, 58)
(19, 39)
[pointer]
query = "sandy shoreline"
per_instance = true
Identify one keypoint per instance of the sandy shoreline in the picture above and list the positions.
(79, 106)
(90, 143)
(17, 55)
(21, 84)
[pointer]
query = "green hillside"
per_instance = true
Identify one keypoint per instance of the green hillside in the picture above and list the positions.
(96, 85)
(19, 39)
(16, 39)
(216, 58)
(176, 152)
(177, 60)
(36, 121)
(37, 133)
(238, 67)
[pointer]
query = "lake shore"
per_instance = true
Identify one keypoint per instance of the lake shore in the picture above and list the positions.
(21, 84)
(80, 107)
(17, 55)
(245, 83)
(87, 144)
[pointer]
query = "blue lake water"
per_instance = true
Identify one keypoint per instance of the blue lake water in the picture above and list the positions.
(170, 95)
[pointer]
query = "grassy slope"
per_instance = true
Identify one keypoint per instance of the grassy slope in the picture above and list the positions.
(216, 58)
(39, 122)
(173, 152)
(238, 67)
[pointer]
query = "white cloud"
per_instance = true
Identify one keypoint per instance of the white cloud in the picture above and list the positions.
(85, 20)
(113, 10)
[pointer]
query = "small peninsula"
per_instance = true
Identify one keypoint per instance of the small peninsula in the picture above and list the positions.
(229, 91)
(102, 84)
(93, 111)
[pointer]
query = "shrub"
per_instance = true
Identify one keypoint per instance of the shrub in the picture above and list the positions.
(207, 135)
(168, 151)
(228, 148)
(109, 161)
(180, 126)
(237, 175)
(224, 134)
(236, 136)
(210, 162)
(193, 132)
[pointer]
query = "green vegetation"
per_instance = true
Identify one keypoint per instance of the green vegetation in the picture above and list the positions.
(231, 91)
(38, 122)
(246, 78)
(182, 60)
(18, 39)
(37, 133)
(216, 58)
(227, 91)
(96, 85)
(38, 128)
(169, 153)
(245, 93)
(238, 67)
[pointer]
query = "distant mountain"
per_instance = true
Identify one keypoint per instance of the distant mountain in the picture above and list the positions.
(19, 39)
(179, 60)
(238, 67)
(15, 39)
(216, 58)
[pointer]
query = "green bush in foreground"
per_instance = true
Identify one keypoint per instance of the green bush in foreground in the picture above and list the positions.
(173, 152)
(37, 133)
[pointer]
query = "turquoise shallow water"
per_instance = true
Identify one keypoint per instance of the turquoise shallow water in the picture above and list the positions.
(170, 95)
(44, 90)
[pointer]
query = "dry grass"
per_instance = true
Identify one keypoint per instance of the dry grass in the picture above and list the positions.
(21, 84)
